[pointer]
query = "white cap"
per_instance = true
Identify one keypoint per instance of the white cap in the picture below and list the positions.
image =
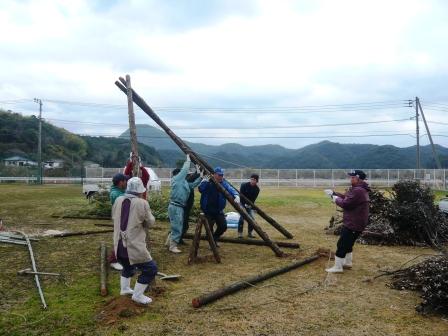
(135, 186)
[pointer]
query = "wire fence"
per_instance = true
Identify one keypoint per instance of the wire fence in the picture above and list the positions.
(309, 178)
(435, 178)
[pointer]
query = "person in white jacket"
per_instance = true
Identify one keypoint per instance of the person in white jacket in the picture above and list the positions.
(132, 217)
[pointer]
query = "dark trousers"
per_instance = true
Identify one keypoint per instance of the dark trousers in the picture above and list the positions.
(250, 228)
(221, 224)
(148, 270)
(346, 241)
(185, 225)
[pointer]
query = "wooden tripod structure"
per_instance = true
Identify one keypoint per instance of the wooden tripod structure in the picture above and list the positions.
(196, 159)
(203, 222)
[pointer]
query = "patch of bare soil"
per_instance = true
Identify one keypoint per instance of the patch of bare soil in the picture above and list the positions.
(123, 307)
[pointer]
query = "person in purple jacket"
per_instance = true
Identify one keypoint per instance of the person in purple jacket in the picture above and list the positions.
(355, 206)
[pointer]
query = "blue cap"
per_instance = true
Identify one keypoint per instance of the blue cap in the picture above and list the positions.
(219, 171)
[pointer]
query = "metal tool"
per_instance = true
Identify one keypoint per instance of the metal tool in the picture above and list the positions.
(29, 271)
(164, 276)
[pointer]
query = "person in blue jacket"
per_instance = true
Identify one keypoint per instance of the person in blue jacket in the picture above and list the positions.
(180, 191)
(213, 201)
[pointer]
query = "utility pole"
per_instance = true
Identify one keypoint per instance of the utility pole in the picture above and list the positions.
(39, 143)
(132, 130)
(417, 132)
(436, 158)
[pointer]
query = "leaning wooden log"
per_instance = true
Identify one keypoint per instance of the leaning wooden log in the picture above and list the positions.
(80, 233)
(248, 282)
(204, 166)
(246, 241)
(103, 269)
(187, 150)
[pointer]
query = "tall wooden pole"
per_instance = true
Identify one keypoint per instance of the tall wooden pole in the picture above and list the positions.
(132, 129)
(436, 157)
(204, 166)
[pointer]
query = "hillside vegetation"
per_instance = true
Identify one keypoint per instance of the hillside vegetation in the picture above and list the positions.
(19, 136)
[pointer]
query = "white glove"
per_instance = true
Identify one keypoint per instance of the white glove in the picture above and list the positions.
(334, 198)
(188, 158)
(248, 206)
(237, 199)
(205, 177)
(198, 169)
(329, 192)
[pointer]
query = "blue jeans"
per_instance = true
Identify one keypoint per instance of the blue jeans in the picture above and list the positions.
(148, 270)
(250, 228)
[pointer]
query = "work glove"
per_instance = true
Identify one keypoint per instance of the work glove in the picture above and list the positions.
(198, 169)
(329, 192)
(188, 158)
(334, 198)
(237, 199)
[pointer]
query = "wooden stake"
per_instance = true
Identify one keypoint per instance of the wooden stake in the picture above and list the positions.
(103, 269)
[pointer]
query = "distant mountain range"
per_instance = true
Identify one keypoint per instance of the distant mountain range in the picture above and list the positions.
(322, 155)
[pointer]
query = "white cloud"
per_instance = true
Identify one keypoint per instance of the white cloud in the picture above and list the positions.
(227, 53)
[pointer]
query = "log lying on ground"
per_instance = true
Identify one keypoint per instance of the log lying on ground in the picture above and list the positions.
(81, 217)
(248, 282)
(246, 241)
(80, 233)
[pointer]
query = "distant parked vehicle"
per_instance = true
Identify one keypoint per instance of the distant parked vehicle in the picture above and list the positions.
(90, 188)
(443, 205)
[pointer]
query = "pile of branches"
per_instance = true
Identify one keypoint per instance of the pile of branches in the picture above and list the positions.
(408, 217)
(430, 277)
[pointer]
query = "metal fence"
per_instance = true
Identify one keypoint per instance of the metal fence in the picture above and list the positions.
(436, 178)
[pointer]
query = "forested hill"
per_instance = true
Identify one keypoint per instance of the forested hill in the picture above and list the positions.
(19, 136)
(322, 155)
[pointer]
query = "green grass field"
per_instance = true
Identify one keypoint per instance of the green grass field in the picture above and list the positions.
(302, 302)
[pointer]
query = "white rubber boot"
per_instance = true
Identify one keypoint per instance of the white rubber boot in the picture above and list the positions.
(138, 296)
(173, 247)
(348, 261)
(168, 240)
(337, 268)
(116, 266)
(125, 284)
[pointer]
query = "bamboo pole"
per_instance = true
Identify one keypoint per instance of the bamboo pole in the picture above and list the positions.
(246, 241)
(36, 276)
(208, 169)
(248, 282)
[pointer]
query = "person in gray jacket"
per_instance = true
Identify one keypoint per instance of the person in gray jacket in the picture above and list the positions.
(132, 217)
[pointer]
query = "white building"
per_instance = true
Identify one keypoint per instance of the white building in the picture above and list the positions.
(55, 163)
(18, 161)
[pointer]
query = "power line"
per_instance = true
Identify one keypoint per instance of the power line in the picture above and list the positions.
(178, 127)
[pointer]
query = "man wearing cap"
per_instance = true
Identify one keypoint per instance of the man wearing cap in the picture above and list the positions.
(132, 217)
(213, 201)
(250, 190)
(355, 205)
(118, 188)
(180, 191)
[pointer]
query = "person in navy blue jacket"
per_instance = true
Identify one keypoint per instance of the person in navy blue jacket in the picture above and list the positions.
(250, 190)
(213, 201)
